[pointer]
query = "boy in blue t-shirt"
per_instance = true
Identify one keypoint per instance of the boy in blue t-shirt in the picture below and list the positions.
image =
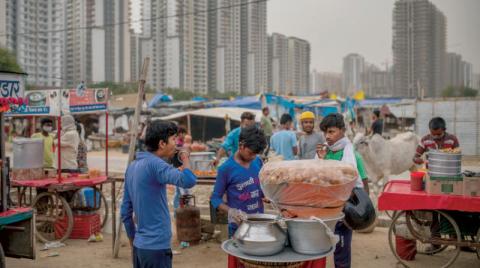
(284, 142)
(238, 179)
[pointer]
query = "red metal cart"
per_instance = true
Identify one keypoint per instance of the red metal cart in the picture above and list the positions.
(436, 227)
(51, 206)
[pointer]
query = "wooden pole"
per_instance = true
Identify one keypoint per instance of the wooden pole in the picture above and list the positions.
(133, 139)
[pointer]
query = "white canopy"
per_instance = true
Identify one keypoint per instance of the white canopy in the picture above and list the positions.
(218, 112)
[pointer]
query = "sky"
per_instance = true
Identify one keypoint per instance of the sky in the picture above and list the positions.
(336, 28)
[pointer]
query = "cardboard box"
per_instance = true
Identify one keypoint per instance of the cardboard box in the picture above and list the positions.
(26, 174)
(444, 185)
(471, 186)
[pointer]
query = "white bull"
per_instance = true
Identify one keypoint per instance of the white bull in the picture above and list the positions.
(383, 158)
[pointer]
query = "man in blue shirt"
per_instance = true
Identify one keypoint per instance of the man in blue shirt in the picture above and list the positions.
(230, 144)
(146, 196)
(284, 142)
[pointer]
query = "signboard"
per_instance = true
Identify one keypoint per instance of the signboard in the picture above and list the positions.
(88, 100)
(57, 102)
(12, 85)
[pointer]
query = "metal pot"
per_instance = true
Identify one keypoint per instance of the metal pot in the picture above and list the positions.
(444, 164)
(310, 236)
(260, 235)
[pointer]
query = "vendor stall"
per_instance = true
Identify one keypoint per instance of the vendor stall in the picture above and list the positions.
(16, 224)
(58, 192)
(436, 226)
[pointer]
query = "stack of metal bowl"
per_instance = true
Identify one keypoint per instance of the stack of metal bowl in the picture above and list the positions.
(443, 164)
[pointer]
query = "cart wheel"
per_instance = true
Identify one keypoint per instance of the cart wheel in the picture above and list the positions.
(430, 228)
(2, 257)
(101, 205)
(423, 223)
(53, 217)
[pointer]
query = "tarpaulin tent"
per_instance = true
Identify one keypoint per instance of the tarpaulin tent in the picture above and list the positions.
(159, 98)
(249, 102)
(205, 124)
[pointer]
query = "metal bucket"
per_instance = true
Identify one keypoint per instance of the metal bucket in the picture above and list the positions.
(310, 236)
(444, 164)
(27, 153)
(260, 235)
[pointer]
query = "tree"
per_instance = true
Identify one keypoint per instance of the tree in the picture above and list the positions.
(8, 61)
(459, 92)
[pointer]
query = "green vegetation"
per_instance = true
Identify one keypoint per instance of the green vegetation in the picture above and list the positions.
(459, 92)
(8, 61)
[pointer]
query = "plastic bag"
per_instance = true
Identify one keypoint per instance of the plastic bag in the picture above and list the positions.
(305, 186)
(359, 210)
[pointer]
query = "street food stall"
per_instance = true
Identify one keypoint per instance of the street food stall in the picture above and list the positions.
(57, 193)
(309, 196)
(436, 214)
(17, 230)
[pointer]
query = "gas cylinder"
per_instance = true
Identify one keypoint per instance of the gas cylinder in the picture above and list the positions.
(189, 228)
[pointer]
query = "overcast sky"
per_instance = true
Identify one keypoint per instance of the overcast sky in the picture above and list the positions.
(335, 28)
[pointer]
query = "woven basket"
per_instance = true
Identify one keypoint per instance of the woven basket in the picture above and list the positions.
(257, 264)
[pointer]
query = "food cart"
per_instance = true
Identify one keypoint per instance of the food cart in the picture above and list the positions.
(16, 224)
(54, 220)
(439, 224)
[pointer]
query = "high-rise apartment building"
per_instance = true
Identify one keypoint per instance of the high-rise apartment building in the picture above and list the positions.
(419, 48)
(32, 30)
(325, 81)
(298, 72)
(224, 46)
(193, 46)
(459, 73)
(254, 45)
(174, 36)
(237, 46)
(101, 52)
(353, 68)
(278, 63)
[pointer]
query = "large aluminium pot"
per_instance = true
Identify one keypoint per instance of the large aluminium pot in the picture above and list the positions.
(442, 164)
(260, 235)
(27, 153)
(310, 236)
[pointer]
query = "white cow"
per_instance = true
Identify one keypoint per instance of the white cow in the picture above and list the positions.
(385, 157)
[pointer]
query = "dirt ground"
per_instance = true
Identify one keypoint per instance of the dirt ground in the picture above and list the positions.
(369, 250)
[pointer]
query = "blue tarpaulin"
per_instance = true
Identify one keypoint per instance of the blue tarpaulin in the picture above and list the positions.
(250, 102)
(159, 98)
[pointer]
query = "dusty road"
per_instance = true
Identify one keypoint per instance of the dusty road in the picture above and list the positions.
(369, 250)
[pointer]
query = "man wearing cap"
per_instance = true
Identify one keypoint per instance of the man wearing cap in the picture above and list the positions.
(307, 144)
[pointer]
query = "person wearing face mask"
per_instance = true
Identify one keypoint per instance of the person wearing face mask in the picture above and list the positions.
(437, 139)
(46, 125)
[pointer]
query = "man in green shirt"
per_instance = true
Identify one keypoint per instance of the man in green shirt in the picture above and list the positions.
(46, 125)
(340, 148)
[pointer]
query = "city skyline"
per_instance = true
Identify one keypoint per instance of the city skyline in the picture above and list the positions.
(332, 26)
